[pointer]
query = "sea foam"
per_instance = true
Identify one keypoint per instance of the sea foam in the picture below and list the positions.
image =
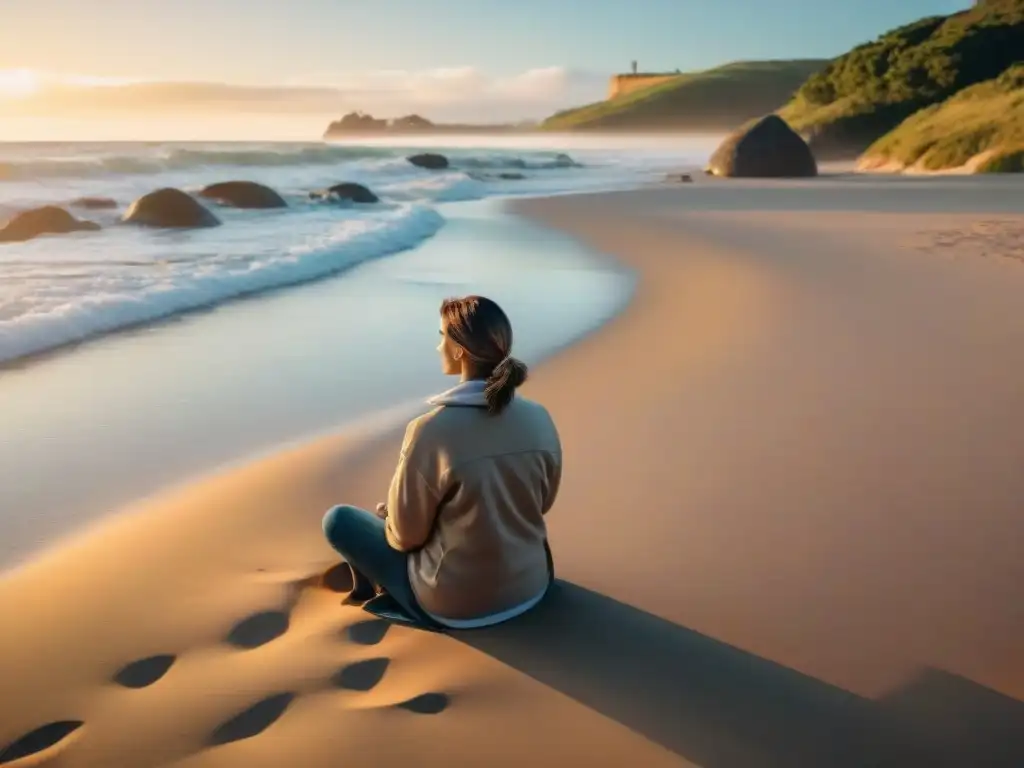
(48, 304)
(61, 289)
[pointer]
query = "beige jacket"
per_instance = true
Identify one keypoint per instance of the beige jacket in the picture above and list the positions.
(468, 501)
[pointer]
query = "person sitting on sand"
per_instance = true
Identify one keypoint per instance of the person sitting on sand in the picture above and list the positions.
(461, 541)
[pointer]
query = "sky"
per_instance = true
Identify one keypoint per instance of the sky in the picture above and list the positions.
(285, 66)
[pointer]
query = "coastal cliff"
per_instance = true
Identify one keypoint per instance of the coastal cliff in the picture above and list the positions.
(619, 85)
(715, 99)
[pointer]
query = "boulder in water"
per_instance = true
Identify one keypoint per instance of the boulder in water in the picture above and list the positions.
(767, 149)
(94, 203)
(243, 194)
(48, 220)
(347, 190)
(169, 208)
(429, 160)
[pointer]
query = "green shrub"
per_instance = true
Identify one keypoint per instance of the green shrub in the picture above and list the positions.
(979, 119)
(863, 94)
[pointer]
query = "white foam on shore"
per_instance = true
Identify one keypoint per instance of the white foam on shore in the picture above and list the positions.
(123, 295)
(63, 289)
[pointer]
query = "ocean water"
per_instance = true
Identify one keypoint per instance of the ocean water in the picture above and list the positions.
(93, 429)
(62, 289)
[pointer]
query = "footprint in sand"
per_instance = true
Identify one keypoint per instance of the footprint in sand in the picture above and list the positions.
(338, 578)
(144, 672)
(258, 629)
(426, 704)
(38, 740)
(266, 626)
(368, 632)
(365, 675)
(362, 675)
(253, 721)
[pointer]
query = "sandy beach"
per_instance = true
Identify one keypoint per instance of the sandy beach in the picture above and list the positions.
(789, 532)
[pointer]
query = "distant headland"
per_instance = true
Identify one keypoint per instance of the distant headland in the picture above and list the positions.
(363, 124)
(943, 92)
(718, 99)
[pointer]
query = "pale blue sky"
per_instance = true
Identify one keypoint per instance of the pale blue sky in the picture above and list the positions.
(264, 41)
(285, 68)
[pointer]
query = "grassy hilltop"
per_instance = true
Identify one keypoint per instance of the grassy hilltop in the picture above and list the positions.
(715, 99)
(982, 125)
(864, 94)
(940, 93)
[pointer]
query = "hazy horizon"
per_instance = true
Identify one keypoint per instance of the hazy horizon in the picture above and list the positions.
(222, 69)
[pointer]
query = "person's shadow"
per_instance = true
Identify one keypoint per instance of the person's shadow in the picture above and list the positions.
(720, 707)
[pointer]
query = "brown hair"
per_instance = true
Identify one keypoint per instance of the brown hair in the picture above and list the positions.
(483, 330)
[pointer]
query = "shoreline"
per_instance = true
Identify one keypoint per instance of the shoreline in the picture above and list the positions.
(215, 366)
(785, 534)
(175, 315)
(128, 278)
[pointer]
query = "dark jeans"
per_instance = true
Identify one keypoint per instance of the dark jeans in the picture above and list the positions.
(359, 537)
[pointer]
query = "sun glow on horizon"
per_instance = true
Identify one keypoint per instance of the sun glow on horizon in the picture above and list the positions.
(18, 83)
(22, 82)
(47, 104)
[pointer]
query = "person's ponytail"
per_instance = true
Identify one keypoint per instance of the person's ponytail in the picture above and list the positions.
(507, 376)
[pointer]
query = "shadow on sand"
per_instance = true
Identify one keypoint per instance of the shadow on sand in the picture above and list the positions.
(721, 707)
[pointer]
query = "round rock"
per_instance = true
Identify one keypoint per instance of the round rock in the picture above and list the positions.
(169, 208)
(94, 203)
(429, 160)
(48, 220)
(243, 194)
(767, 149)
(348, 190)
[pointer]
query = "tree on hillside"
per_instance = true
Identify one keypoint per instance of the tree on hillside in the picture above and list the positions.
(865, 93)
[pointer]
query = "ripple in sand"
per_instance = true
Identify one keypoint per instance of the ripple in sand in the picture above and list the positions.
(32, 743)
(253, 721)
(258, 629)
(361, 676)
(426, 704)
(368, 632)
(144, 672)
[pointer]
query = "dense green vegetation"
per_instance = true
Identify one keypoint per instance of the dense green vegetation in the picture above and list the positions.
(867, 92)
(715, 99)
(984, 118)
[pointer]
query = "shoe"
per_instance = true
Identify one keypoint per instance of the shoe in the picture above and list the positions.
(362, 589)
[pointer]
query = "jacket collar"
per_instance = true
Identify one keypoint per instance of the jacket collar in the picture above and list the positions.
(467, 393)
